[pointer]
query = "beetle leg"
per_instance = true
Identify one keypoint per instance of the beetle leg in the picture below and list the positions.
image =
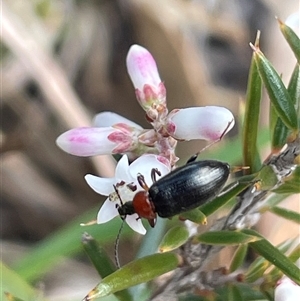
(142, 182)
(193, 158)
(154, 172)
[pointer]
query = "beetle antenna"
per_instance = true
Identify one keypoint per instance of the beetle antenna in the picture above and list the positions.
(194, 157)
(117, 192)
(117, 244)
(219, 139)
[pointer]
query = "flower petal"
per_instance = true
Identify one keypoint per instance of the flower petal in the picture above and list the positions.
(107, 212)
(107, 119)
(135, 223)
(142, 68)
(287, 290)
(87, 141)
(145, 164)
(103, 186)
(122, 170)
(208, 123)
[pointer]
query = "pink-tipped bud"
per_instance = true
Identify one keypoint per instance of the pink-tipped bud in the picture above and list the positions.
(142, 69)
(207, 123)
(88, 141)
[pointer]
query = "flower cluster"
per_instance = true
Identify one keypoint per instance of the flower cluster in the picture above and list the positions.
(114, 134)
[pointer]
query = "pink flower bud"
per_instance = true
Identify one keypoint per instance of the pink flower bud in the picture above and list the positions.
(144, 75)
(88, 141)
(207, 123)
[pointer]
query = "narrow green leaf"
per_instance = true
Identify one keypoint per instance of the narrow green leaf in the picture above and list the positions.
(277, 92)
(257, 270)
(251, 118)
(225, 238)
(295, 254)
(195, 216)
(280, 134)
(148, 246)
(230, 191)
(258, 267)
(273, 255)
(234, 293)
(15, 286)
(278, 128)
(275, 273)
(287, 214)
(292, 39)
(174, 238)
(238, 257)
(274, 200)
(248, 292)
(294, 87)
(286, 245)
(136, 272)
(101, 261)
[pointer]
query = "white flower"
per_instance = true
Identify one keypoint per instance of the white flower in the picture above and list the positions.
(287, 290)
(125, 175)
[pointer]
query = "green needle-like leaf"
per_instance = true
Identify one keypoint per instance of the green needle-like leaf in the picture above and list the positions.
(294, 88)
(238, 257)
(174, 238)
(195, 216)
(251, 118)
(257, 269)
(273, 255)
(234, 293)
(291, 38)
(225, 238)
(279, 130)
(136, 272)
(98, 256)
(277, 92)
(295, 254)
(279, 136)
(102, 262)
(230, 191)
(288, 214)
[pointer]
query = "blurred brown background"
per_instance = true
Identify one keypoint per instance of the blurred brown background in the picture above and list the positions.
(64, 61)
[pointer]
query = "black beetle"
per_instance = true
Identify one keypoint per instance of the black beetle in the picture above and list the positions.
(183, 189)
